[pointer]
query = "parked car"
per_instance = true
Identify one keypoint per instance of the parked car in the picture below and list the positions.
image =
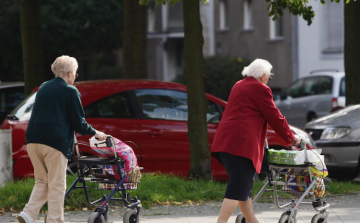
(338, 135)
(314, 96)
(151, 114)
(11, 94)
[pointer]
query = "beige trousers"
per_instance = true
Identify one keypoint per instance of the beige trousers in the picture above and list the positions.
(50, 182)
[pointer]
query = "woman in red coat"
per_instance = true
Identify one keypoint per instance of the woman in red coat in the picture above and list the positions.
(240, 138)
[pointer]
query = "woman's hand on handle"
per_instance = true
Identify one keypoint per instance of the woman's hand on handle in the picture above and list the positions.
(100, 135)
(296, 140)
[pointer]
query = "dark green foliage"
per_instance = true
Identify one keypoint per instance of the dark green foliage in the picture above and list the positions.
(296, 7)
(10, 41)
(83, 29)
(221, 73)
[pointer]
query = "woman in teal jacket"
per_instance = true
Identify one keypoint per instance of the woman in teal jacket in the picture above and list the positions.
(56, 116)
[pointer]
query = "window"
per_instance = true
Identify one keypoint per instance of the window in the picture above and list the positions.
(10, 97)
(248, 22)
(170, 105)
(342, 87)
(213, 115)
(333, 33)
(151, 17)
(24, 109)
(223, 14)
(276, 28)
(114, 106)
(293, 90)
(326, 84)
(311, 86)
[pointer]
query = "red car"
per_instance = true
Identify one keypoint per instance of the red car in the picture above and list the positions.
(150, 114)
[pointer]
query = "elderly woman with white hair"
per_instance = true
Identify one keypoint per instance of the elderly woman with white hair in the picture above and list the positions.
(240, 137)
(56, 115)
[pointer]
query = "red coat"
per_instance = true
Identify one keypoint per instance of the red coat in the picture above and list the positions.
(242, 130)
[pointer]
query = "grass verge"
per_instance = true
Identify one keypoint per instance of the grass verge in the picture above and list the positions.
(153, 189)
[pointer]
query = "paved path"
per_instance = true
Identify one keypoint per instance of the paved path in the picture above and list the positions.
(344, 209)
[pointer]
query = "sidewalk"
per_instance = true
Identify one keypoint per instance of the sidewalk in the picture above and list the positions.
(343, 209)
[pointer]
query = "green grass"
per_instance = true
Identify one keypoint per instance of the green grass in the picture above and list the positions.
(153, 189)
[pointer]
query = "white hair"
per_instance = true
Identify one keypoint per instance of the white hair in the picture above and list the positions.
(64, 64)
(257, 68)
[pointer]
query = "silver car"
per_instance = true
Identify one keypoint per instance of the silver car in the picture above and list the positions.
(338, 135)
(313, 96)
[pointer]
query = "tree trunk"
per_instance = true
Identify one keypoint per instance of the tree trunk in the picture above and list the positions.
(200, 166)
(134, 40)
(352, 49)
(31, 40)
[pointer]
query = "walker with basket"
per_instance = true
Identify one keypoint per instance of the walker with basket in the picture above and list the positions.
(300, 174)
(114, 171)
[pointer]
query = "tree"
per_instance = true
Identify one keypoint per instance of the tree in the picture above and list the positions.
(10, 39)
(352, 35)
(200, 165)
(31, 38)
(134, 39)
(352, 49)
(89, 30)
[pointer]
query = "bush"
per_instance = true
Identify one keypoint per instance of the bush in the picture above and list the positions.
(221, 73)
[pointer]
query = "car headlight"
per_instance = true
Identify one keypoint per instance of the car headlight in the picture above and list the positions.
(303, 135)
(335, 133)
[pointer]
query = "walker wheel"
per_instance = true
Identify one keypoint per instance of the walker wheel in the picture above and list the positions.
(130, 216)
(94, 218)
(240, 218)
(318, 218)
(285, 218)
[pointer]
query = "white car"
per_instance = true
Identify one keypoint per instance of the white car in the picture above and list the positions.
(313, 96)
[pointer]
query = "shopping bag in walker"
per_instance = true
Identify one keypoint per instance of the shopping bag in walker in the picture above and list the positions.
(314, 157)
(301, 177)
(122, 149)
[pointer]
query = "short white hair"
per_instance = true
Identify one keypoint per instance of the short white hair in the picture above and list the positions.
(257, 68)
(63, 65)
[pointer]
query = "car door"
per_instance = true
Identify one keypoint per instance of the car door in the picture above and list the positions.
(115, 116)
(286, 105)
(163, 130)
(301, 98)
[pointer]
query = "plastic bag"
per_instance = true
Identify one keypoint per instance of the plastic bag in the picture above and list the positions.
(314, 157)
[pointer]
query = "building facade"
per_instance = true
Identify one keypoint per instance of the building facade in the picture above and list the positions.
(242, 28)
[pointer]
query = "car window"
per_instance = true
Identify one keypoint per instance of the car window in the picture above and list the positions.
(170, 105)
(294, 89)
(114, 106)
(23, 111)
(342, 87)
(10, 98)
(326, 84)
(311, 86)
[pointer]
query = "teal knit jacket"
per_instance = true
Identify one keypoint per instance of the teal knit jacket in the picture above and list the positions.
(56, 114)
